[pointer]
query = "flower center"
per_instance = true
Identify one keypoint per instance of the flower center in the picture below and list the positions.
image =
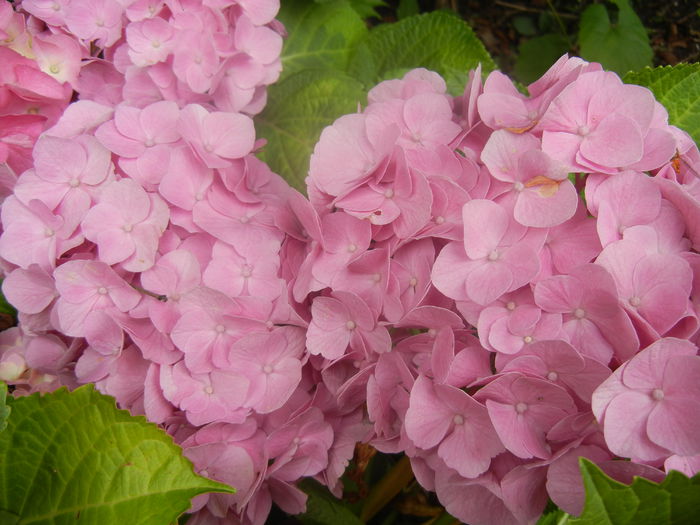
(552, 376)
(657, 394)
(521, 407)
(579, 313)
(635, 301)
(350, 325)
(458, 419)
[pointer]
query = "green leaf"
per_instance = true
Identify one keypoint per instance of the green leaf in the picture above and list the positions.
(678, 89)
(322, 508)
(320, 35)
(556, 517)
(393, 482)
(364, 8)
(685, 497)
(537, 54)
(620, 46)
(438, 41)
(297, 110)
(73, 457)
(407, 8)
(4, 409)
(676, 501)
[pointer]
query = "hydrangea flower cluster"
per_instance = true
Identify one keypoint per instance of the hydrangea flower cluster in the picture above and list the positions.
(508, 285)
(494, 284)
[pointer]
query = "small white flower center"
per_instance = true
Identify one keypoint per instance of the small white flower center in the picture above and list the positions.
(527, 339)
(657, 394)
(579, 313)
(413, 282)
(583, 130)
(102, 290)
(552, 376)
(352, 247)
(350, 325)
(127, 228)
(494, 255)
(458, 419)
(439, 219)
(56, 6)
(220, 328)
(521, 407)
(55, 69)
(48, 232)
(74, 182)
(246, 271)
(388, 194)
(510, 305)
(376, 277)
(518, 186)
(267, 369)
(635, 301)
(208, 390)
(244, 219)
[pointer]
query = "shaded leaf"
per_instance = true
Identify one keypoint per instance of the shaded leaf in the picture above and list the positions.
(364, 8)
(678, 89)
(297, 110)
(609, 502)
(73, 457)
(322, 508)
(621, 46)
(321, 35)
(438, 41)
(537, 54)
(4, 409)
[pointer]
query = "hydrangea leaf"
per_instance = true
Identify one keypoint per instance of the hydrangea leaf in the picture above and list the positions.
(321, 35)
(364, 8)
(610, 502)
(678, 89)
(66, 456)
(437, 41)
(621, 46)
(297, 110)
(535, 55)
(685, 497)
(4, 409)
(322, 508)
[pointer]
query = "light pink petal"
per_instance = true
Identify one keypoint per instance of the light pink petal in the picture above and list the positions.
(616, 141)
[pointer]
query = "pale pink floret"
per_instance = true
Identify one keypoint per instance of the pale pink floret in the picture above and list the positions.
(98, 20)
(544, 196)
(272, 364)
(150, 41)
(446, 417)
(347, 153)
(523, 409)
(85, 286)
(126, 224)
(216, 137)
(341, 321)
(30, 290)
(498, 255)
(597, 123)
(66, 170)
(35, 235)
(655, 286)
(649, 406)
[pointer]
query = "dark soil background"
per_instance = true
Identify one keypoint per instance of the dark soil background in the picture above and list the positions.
(673, 25)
